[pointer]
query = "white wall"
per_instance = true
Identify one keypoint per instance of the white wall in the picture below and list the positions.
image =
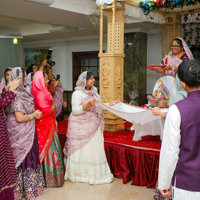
(154, 56)
(62, 55)
(10, 54)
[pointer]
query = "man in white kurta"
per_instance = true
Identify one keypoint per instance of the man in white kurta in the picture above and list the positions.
(169, 157)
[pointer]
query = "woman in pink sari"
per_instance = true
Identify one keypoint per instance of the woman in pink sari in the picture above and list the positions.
(22, 134)
(50, 153)
(179, 52)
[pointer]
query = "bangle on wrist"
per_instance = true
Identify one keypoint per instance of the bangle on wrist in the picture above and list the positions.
(9, 85)
(173, 68)
(32, 117)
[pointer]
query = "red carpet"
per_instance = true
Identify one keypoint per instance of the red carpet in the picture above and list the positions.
(128, 160)
(122, 137)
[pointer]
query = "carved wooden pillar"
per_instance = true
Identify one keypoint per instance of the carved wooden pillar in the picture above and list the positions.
(112, 62)
(173, 25)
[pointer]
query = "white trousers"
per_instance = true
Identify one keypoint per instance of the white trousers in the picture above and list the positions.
(180, 194)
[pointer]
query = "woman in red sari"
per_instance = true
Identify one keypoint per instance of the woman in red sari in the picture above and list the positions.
(50, 153)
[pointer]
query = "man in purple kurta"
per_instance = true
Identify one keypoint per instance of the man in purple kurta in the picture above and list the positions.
(8, 176)
(180, 152)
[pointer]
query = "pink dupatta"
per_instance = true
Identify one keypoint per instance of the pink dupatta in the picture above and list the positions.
(83, 127)
(21, 134)
(45, 127)
(58, 99)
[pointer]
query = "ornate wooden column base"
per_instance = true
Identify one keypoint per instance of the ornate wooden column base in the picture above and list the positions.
(111, 87)
(115, 124)
(112, 63)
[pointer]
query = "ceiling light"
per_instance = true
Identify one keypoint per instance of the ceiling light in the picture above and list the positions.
(15, 41)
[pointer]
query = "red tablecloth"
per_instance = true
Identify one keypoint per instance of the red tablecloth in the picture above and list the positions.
(135, 161)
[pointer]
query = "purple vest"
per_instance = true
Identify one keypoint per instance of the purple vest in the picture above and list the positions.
(187, 171)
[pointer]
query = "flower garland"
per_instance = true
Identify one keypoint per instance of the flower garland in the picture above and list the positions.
(150, 5)
(192, 32)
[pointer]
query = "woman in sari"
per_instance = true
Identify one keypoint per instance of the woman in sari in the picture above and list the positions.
(179, 95)
(179, 52)
(32, 68)
(58, 98)
(85, 158)
(29, 82)
(21, 129)
(50, 153)
(5, 79)
(8, 176)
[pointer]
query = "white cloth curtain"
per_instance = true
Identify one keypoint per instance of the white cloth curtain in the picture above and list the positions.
(135, 14)
(105, 2)
(133, 114)
(152, 128)
(144, 121)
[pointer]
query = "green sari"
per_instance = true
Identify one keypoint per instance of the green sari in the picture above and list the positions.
(53, 165)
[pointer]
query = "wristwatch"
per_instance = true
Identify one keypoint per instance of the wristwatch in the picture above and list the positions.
(173, 68)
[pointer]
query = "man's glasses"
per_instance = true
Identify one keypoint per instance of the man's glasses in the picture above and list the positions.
(174, 46)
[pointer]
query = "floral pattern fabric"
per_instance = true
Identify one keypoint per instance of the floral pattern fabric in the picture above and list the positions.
(81, 128)
(81, 85)
(158, 195)
(21, 135)
(53, 165)
(58, 99)
(30, 184)
(24, 101)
